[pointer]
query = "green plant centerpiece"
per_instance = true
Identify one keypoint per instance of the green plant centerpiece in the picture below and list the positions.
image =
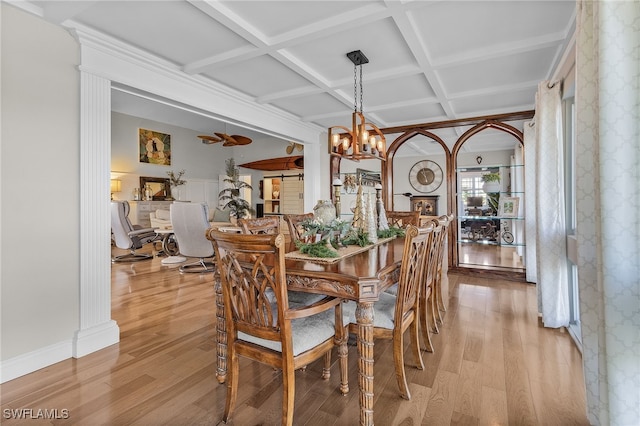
(321, 239)
(238, 207)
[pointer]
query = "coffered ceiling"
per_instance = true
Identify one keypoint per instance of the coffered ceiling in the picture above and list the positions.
(428, 60)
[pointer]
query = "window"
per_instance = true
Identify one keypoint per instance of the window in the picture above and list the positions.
(570, 203)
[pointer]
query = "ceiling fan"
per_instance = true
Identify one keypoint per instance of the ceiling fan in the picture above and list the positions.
(227, 140)
(295, 145)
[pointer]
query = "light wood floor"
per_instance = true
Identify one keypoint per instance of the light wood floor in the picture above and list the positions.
(486, 255)
(494, 365)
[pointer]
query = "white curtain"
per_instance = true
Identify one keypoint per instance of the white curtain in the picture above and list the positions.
(607, 196)
(530, 231)
(548, 208)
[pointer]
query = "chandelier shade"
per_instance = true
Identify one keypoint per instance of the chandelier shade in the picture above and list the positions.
(364, 140)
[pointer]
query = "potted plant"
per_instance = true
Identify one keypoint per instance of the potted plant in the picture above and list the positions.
(238, 207)
(491, 182)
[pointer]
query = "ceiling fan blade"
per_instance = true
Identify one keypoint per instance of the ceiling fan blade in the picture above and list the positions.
(223, 136)
(241, 140)
(209, 139)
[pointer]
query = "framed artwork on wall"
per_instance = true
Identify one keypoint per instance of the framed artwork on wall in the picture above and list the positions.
(508, 207)
(155, 147)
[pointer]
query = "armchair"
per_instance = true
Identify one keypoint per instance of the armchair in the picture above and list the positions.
(190, 222)
(128, 236)
(263, 326)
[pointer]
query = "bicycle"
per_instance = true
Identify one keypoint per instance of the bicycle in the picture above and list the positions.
(490, 231)
(507, 236)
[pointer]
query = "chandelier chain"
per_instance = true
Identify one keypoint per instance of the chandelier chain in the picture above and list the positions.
(361, 109)
(355, 88)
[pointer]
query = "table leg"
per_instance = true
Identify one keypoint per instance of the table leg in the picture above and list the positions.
(221, 334)
(364, 319)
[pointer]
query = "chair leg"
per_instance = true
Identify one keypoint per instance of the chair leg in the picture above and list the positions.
(232, 384)
(424, 322)
(131, 257)
(343, 351)
(198, 267)
(432, 306)
(438, 303)
(326, 370)
(289, 393)
(398, 358)
(415, 343)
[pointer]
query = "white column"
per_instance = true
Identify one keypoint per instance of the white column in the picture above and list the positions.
(97, 329)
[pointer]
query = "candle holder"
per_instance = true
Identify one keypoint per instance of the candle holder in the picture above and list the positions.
(337, 184)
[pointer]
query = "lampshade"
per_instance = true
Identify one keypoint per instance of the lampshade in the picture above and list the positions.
(116, 185)
(337, 182)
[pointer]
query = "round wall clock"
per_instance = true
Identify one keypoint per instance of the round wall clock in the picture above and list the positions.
(425, 176)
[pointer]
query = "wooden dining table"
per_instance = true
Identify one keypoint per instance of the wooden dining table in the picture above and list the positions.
(360, 277)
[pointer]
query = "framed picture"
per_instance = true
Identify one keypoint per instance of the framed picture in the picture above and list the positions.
(367, 177)
(159, 188)
(155, 147)
(508, 206)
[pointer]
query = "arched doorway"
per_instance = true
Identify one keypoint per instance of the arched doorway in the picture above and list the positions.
(489, 201)
(454, 146)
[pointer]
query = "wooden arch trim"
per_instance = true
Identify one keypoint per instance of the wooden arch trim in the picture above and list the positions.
(387, 166)
(452, 190)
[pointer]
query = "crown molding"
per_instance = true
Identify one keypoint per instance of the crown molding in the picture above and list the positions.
(122, 63)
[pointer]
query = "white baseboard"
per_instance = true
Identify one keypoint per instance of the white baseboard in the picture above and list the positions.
(32, 361)
(95, 338)
(85, 342)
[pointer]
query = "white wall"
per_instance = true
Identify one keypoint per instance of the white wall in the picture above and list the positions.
(401, 168)
(202, 163)
(40, 166)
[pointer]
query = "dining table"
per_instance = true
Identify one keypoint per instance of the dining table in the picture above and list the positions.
(360, 276)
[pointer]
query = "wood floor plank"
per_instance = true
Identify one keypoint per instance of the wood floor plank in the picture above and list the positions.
(493, 409)
(494, 363)
(468, 395)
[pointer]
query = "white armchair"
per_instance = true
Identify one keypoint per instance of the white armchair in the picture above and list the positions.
(190, 223)
(128, 236)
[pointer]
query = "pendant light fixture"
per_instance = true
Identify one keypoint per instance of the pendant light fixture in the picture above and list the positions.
(364, 140)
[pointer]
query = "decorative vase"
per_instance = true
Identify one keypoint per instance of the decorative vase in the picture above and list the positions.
(490, 187)
(324, 211)
(175, 192)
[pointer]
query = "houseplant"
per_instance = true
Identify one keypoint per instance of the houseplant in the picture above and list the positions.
(238, 207)
(492, 188)
(491, 182)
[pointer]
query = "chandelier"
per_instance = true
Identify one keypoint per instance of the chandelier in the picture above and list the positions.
(364, 140)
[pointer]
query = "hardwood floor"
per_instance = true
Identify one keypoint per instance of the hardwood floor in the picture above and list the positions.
(486, 255)
(494, 364)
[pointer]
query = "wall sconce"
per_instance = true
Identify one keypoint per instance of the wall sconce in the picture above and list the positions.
(116, 186)
(337, 184)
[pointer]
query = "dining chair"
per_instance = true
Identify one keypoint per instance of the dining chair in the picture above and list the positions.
(393, 315)
(294, 223)
(444, 220)
(402, 219)
(260, 225)
(263, 326)
(427, 285)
